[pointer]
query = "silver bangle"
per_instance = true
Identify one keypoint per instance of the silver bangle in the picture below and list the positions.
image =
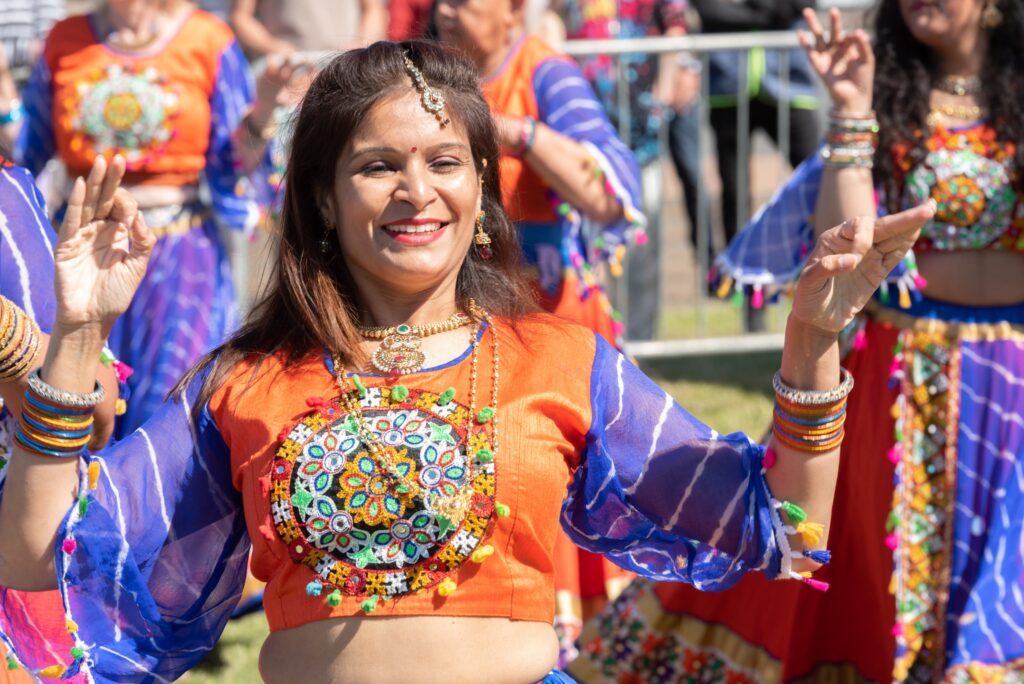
(813, 397)
(64, 398)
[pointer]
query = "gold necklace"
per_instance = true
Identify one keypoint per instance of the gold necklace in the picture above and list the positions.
(959, 85)
(399, 353)
(351, 392)
(957, 112)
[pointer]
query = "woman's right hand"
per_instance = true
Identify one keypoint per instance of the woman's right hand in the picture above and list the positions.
(845, 62)
(102, 250)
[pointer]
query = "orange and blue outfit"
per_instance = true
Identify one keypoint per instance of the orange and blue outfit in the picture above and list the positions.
(151, 558)
(172, 113)
(926, 524)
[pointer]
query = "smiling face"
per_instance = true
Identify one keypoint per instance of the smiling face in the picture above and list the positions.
(405, 198)
(939, 23)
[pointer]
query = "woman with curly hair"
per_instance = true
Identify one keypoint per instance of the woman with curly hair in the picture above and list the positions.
(926, 582)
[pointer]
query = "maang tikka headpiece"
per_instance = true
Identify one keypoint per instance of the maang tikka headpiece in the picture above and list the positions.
(431, 98)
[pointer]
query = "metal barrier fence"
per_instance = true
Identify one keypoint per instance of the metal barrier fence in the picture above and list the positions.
(703, 46)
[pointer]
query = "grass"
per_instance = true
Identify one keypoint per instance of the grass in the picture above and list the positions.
(730, 393)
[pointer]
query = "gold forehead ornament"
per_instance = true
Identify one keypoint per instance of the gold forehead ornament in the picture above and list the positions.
(431, 98)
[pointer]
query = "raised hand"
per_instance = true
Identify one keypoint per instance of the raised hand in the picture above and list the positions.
(845, 61)
(848, 264)
(102, 249)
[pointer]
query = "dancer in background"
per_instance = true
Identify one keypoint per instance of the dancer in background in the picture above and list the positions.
(924, 586)
(166, 86)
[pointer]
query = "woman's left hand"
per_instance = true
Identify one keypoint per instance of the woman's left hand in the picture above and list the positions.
(848, 264)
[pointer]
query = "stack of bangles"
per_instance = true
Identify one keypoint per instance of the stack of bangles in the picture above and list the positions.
(527, 136)
(54, 422)
(810, 421)
(19, 341)
(851, 140)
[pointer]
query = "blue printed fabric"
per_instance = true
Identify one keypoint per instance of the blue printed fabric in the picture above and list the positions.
(151, 563)
(665, 496)
(26, 246)
(985, 614)
(772, 247)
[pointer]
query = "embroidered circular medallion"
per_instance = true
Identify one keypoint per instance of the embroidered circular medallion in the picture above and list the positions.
(345, 517)
(126, 111)
(974, 194)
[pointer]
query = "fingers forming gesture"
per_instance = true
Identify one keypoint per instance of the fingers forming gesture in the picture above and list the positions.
(102, 249)
(844, 61)
(850, 261)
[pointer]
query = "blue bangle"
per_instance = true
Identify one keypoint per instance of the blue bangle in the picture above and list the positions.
(13, 114)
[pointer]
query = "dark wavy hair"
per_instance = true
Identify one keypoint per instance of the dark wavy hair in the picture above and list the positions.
(312, 302)
(903, 76)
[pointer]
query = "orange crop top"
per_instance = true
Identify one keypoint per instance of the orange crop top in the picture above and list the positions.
(973, 177)
(152, 108)
(349, 509)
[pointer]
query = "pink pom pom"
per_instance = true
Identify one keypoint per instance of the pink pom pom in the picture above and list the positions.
(920, 282)
(816, 584)
(123, 371)
(895, 366)
(860, 340)
(640, 238)
(804, 250)
(894, 455)
(897, 630)
(769, 459)
(617, 328)
(68, 546)
(577, 261)
(757, 300)
(892, 541)
(712, 274)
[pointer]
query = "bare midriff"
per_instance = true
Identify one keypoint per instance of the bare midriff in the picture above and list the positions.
(974, 278)
(421, 649)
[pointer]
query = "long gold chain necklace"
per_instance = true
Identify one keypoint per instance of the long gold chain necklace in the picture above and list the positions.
(399, 353)
(352, 391)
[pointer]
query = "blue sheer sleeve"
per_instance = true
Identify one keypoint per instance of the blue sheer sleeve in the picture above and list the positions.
(770, 251)
(26, 246)
(567, 104)
(36, 144)
(663, 495)
(230, 193)
(150, 559)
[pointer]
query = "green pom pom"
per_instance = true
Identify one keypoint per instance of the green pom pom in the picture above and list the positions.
(795, 513)
(360, 387)
(446, 396)
(883, 294)
(399, 393)
(106, 358)
(77, 652)
(502, 510)
(485, 414)
(737, 298)
(83, 506)
(893, 522)
(11, 664)
(564, 209)
(334, 598)
(484, 455)
(370, 604)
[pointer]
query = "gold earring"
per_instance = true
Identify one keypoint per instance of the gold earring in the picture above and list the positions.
(482, 239)
(325, 241)
(991, 17)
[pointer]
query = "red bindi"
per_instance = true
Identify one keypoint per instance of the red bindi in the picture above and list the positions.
(413, 149)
